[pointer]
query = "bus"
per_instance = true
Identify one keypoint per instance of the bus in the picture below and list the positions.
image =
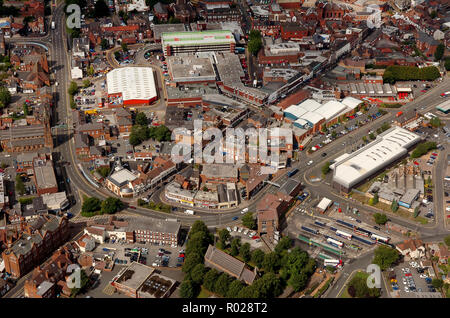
(332, 262)
(346, 224)
(335, 243)
(307, 229)
(363, 240)
(292, 172)
(380, 238)
(361, 231)
(344, 235)
(320, 223)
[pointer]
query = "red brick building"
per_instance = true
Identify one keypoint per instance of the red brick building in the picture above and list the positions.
(32, 243)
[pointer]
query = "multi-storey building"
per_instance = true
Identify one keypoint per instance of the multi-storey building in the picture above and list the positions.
(32, 242)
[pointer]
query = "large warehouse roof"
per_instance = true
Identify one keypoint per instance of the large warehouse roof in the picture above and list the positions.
(351, 102)
(330, 109)
(387, 148)
(135, 83)
(312, 118)
(295, 110)
(310, 105)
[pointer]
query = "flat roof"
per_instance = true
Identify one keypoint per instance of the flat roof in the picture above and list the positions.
(330, 109)
(197, 38)
(312, 117)
(122, 177)
(310, 104)
(190, 68)
(388, 147)
(134, 83)
(135, 275)
(44, 174)
(444, 107)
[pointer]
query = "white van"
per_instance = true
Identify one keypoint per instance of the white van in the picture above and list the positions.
(189, 212)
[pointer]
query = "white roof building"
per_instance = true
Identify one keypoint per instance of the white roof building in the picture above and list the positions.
(295, 110)
(312, 118)
(324, 204)
(136, 84)
(388, 147)
(330, 109)
(351, 102)
(310, 105)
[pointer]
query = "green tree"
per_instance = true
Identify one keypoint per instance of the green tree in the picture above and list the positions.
(141, 119)
(437, 283)
(439, 53)
(188, 289)
(248, 221)
(358, 287)
(222, 284)
(271, 262)
(380, 218)
(298, 281)
(134, 140)
(268, 286)
(235, 245)
(5, 97)
(258, 257)
(210, 278)
(26, 110)
(198, 226)
(372, 136)
(84, 279)
(104, 44)
(111, 205)
(73, 88)
(192, 260)
(91, 205)
(91, 71)
(385, 257)
(86, 83)
(326, 168)
(374, 200)
(433, 14)
(198, 273)
(447, 64)
(423, 148)
(124, 47)
(117, 55)
(284, 244)
(104, 171)
(394, 206)
(244, 252)
(255, 42)
(234, 289)
(224, 236)
(435, 122)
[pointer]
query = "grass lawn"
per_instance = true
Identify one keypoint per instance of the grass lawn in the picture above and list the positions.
(204, 293)
(345, 294)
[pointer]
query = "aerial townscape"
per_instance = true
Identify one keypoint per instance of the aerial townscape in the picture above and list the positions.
(226, 149)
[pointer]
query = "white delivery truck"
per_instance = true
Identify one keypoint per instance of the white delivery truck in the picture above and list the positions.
(189, 212)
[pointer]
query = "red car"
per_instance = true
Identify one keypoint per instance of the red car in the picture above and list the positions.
(181, 255)
(255, 237)
(434, 154)
(132, 207)
(408, 274)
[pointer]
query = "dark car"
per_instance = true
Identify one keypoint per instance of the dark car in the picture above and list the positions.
(324, 154)
(376, 228)
(359, 221)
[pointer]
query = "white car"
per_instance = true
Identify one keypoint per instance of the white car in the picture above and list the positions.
(406, 289)
(235, 229)
(246, 232)
(244, 211)
(423, 276)
(240, 230)
(310, 162)
(228, 229)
